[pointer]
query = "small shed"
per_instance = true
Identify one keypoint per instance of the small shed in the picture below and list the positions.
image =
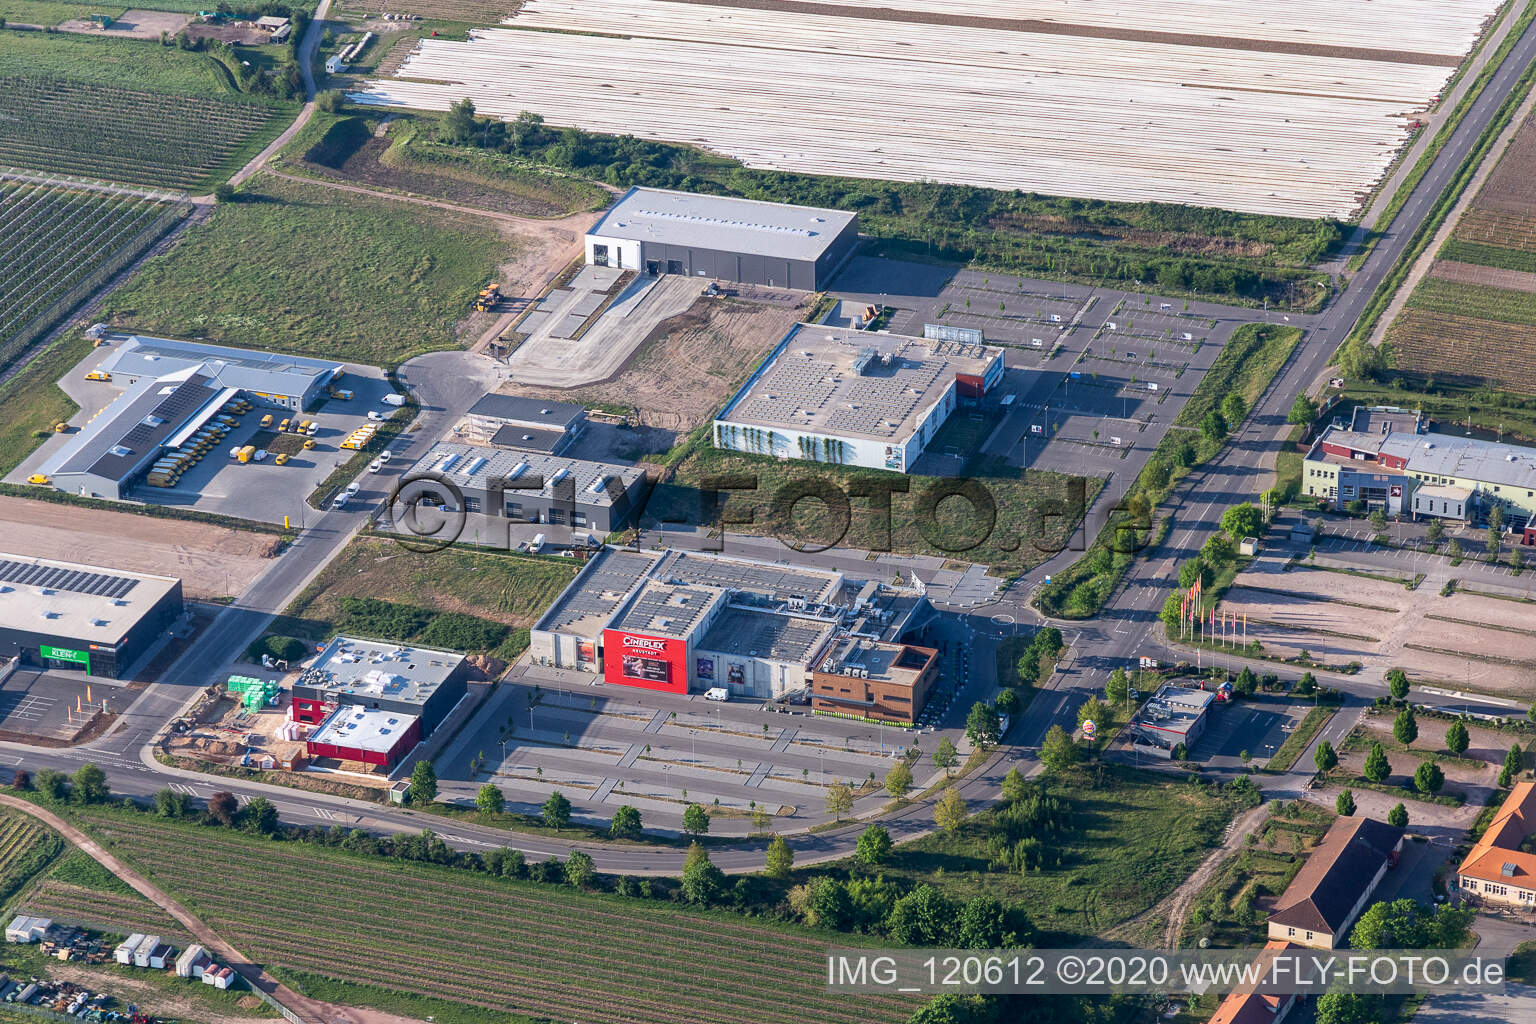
(191, 962)
(1248, 546)
(27, 929)
(144, 948)
(124, 952)
(218, 977)
(163, 953)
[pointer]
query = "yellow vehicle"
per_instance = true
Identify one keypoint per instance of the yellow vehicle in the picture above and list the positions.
(266, 421)
(60, 427)
(282, 459)
(282, 428)
(38, 478)
(344, 394)
(98, 375)
(309, 442)
(246, 453)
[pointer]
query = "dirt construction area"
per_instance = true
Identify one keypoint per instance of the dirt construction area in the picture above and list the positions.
(1478, 642)
(132, 25)
(688, 365)
(211, 561)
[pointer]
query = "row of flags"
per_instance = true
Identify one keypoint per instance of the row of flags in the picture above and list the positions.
(1195, 619)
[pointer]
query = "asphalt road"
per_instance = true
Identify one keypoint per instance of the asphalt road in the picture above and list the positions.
(1124, 630)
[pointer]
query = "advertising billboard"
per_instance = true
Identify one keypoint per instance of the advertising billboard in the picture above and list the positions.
(649, 662)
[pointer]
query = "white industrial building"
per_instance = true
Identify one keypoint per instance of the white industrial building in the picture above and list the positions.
(854, 398)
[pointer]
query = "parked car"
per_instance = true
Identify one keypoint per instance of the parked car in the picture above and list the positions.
(386, 455)
(374, 414)
(718, 693)
(261, 455)
(340, 501)
(375, 465)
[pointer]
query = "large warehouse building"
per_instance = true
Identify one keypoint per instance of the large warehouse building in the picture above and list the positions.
(373, 701)
(530, 487)
(291, 382)
(656, 231)
(59, 615)
(832, 394)
(524, 424)
(171, 389)
(687, 621)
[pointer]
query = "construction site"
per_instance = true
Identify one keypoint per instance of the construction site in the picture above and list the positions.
(1150, 102)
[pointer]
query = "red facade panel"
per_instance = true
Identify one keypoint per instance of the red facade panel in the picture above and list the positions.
(970, 385)
(647, 662)
(312, 712)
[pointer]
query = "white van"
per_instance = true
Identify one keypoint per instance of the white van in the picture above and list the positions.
(719, 693)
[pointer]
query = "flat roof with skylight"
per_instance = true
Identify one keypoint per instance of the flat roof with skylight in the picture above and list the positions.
(841, 382)
(360, 728)
(82, 602)
(352, 667)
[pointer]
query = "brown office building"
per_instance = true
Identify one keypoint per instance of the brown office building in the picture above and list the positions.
(874, 679)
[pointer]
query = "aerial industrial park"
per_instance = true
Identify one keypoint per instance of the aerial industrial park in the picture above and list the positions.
(730, 512)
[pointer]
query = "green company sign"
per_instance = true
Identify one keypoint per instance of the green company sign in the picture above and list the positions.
(65, 654)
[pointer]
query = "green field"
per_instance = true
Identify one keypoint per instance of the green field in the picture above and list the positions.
(58, 244)
(25, 847)
(143, 138)
(114, 62)
(1489, 255)
(504, 593)
(1128, 838)
(1035, 511)
(485, 943)
(1482, 301)
(305, 269)
(53, 12)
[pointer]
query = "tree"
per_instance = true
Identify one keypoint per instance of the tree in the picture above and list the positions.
(1303, 411)
(1057, 751)
(1118, 689)
(950, 813)
(490, 799)
(923, 917)
(1398, 816)
(1213, 425)
(1406, 924)
(1397, 683)
(1377, 768)
(1246, 683)
(625, 824)
(556, 811)
(702, 882)
(1092, 710)
(52, 785)
(89, 784)
(224, 193)
(898, 780)
(827, 904)
(1242, 521)
(423, 788)
(1428, 778)
(330, 100)
(1495, 540)
(1378, 520)
(1453, 550)
(982, 726)
(1496, 519)
(1456, 738)
(1217, 550)
(1008, 702)
(780, 858)
(839, 800)
(170, 804)
(222, 807)
(1341, 1007)
(1306, 686)
(260, 816)
(1015, 788)
(1233, 408)
(944, 755)
(1405, 727)
(874, 845)
(983, 924)
(1514, 761)
(1345, 804)
(1324, 757)
(1434, 531)
(695, 820)
(579, 871)
(460, 122)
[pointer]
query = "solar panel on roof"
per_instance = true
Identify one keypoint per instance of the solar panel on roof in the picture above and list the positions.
(75, 581)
